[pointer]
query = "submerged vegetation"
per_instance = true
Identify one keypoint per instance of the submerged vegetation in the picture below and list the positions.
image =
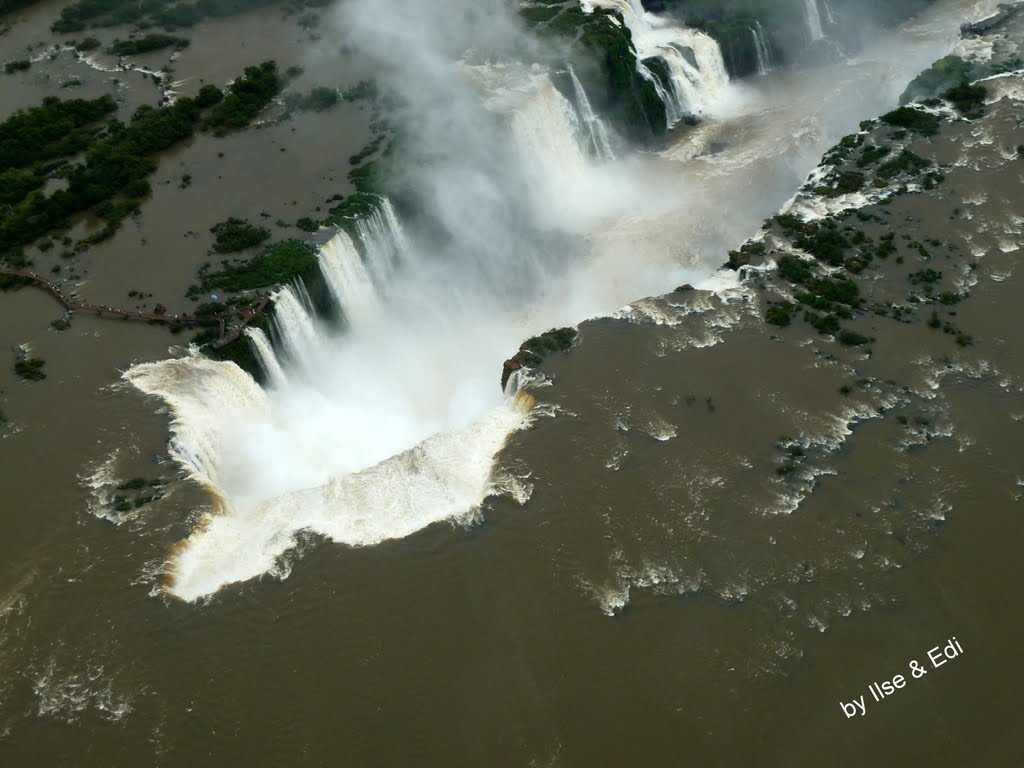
(18, 65)
(318, 99)
(85, 14)
(146, 43)
(237, 235)
(246, 98)
(30, 368)
(821, 287)
(36, 145)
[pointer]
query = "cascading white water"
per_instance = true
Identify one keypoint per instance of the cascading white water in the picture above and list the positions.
(265, 354)
(595, 126)
(829, 15)
(384, 242)
(294, 321)
(546, 131)
(349, 280)
(765, 62)
(697, 84)
(813, 19)
(386, 427)
(546, 125)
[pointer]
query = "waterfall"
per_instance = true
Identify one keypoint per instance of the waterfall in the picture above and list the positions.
(829, 15)
(349, 280)
(265, 354)
(597, 130)
(764, 54)
(813, 18)
(545, 127)
(698, 77)
(383, 241)
(294, 321)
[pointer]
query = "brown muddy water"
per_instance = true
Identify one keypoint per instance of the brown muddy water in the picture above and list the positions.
(665, 597)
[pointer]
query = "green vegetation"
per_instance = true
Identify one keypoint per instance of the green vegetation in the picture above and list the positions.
(605, 62)
(111, 179)
(20, 65)
(55, 129)
(780, 314)
(30, 368)
(905, 162)
(841, 183)
(925, 276)
(246, 98)
(116, 162)
(318, 99)
(83, 14)
(236, 235)
(145, 44)
(87, 44)
(825, 242)
(208, 96)
(534, 350)
(852, 338)
(941, 76)
(913, 120)
(968, 99)
(351, 208)
(364, 90)
(7, 6)
(277, 264)
(872, 155)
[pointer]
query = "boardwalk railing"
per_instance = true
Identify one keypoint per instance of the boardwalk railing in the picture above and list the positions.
(246, 314)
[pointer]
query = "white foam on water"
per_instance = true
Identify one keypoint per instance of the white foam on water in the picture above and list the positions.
(445, 477)
(393, 422)
(65, 696)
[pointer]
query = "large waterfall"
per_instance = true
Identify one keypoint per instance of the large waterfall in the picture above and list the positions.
(390, 422)
(813, 18)
(362, 435)
(697, 72)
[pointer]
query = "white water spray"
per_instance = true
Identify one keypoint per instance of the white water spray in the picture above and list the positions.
(385, 242)
(698, 78)
(813, 18)
(381, 428)
(349, 280)
(829, 15)
(765, 61)
(596, 128)
(267, 358)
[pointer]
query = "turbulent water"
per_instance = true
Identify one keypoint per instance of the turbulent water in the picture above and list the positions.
(391, 423)
(696, 85)
(701, 535)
